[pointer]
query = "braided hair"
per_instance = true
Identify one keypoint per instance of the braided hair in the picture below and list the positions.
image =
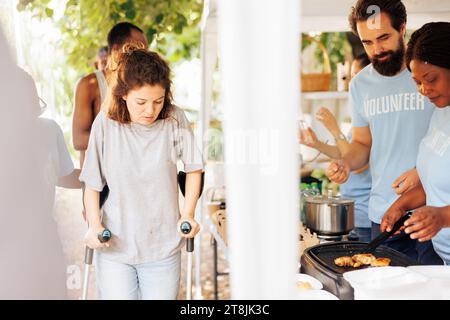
(430, 44)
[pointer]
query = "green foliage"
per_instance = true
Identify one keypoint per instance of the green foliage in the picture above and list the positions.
(337, 47)
(171, 26)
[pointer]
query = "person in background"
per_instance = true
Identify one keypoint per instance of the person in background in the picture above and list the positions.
(132, 149)
(36, 160)
(101, 60)
(359, 182)
(427, 58)
(360, 62)
(389, 119)
(91, 90)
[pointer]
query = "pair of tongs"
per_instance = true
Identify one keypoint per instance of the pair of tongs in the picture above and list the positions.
(371, 246)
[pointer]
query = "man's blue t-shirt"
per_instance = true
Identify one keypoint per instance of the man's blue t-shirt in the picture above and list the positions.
(358, 187)
(433, 165)
(398, 117)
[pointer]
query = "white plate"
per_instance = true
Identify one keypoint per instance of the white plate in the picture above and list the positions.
(315, 295)
(315, 284)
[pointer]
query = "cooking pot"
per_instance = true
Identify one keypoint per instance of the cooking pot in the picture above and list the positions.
(329, 216)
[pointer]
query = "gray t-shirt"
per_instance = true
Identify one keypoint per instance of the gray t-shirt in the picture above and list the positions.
(139, 165)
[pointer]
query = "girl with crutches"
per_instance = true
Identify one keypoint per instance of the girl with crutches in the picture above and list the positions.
(133, 148)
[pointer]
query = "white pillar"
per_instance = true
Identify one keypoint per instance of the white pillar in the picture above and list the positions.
(259, 45)
(208, 55)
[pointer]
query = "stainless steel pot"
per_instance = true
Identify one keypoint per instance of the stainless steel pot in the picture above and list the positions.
(330, 216)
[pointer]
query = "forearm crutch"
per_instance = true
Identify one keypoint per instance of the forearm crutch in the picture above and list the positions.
(186, 229)
(104, 236)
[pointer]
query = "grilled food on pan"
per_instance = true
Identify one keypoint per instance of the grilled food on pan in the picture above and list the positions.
(364, 258)
(380, 262)
(344, 262)
(347, 262)
(361, 259)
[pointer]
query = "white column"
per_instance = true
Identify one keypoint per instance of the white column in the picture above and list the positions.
(208, 53)
(259, 46)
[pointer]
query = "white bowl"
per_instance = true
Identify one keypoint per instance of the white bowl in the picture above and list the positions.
(315, 284)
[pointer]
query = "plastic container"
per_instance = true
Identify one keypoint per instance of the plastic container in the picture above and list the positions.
(315, 295)
(391, 283)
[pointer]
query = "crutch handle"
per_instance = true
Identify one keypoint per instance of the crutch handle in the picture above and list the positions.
(104, 236)
(186, 228)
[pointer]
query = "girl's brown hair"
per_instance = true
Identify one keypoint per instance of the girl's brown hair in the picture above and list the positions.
(132, 68)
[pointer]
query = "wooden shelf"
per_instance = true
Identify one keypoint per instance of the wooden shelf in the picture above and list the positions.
(322, 95)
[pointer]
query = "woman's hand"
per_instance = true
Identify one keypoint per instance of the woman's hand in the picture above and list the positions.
(391, 216)
(426, 222)
(407, 181)
(309, 138)
(91, 238)
(338, 171)
(329, 121)
(195, 227)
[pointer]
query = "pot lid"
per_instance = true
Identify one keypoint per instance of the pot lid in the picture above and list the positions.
(321, 199)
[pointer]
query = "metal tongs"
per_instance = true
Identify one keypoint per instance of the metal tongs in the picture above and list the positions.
(371, 246)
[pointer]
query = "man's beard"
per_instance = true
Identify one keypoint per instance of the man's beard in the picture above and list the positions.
(393, 65)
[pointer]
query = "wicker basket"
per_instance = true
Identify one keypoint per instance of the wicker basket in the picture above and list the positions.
(317, 81)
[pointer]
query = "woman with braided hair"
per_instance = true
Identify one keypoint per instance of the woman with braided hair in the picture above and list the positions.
(428, 59)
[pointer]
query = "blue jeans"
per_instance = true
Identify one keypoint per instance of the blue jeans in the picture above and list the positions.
(360, 234)
(423, 252)
(158, 280)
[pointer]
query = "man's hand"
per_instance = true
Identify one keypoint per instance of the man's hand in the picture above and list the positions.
(407, 181)
(426, 222)
(338, 171)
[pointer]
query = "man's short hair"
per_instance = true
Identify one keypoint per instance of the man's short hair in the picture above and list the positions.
(119, 34)
(393, 8)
